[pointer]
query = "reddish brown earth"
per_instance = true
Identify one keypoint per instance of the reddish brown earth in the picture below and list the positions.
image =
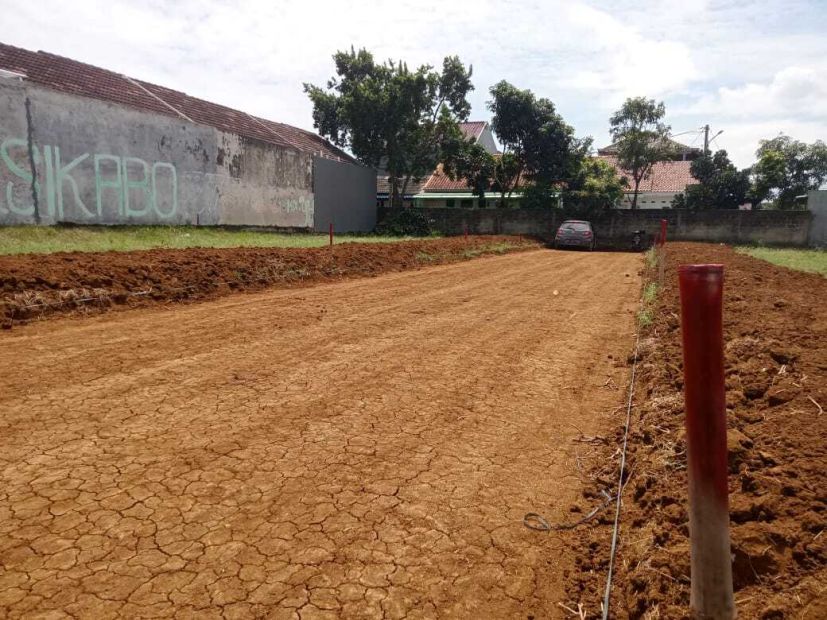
(38, 285)
(360, 449)
(775, 328)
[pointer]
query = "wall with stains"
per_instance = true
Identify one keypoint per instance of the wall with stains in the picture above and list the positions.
(72, 159)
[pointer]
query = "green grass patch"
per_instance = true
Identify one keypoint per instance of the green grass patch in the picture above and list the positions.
(645, 317)
(650, 293)
(652, 258)
(814, 261)
(646, 314)
(47, 239)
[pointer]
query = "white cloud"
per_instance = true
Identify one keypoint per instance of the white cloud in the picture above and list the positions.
(737, 64)
(793, 91)
(630, 62)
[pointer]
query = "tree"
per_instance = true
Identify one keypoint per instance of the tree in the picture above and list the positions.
(537, 143)
(720, 184)
(787, 168)
(391, 116)
(641, 138)
(465, 159)
(595, 186)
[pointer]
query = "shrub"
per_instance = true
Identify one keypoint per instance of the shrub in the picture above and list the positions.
(404, 222)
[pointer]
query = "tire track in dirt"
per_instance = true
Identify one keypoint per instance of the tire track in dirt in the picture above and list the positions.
(360, 449)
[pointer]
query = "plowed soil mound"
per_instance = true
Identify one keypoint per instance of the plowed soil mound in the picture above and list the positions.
(775, 329)
(36, 285)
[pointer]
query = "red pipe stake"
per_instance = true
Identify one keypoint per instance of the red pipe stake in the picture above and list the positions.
(701, 289)
(662, 239)
(331, 234)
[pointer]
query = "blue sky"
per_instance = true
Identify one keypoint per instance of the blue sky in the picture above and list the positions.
(750, 68)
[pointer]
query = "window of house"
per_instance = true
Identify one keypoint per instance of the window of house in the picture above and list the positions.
(449, 202)
(466, 203)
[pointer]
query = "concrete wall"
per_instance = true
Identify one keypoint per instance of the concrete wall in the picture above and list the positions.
(344, 194)
(616, 227)
(817, 204)
(649, 200)
(486, 140)
(98, 163)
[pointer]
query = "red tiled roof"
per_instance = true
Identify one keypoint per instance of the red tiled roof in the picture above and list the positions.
(472, 129)
(440, 182)
(678, 147)
(77, 78)
(666, 176)
(383, 185)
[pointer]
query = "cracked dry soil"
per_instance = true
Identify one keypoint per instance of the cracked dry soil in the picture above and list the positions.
(364, 449)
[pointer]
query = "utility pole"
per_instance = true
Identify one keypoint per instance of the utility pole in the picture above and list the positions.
(707, 139)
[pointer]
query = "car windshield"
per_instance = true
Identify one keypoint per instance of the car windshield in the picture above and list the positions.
(576, 226)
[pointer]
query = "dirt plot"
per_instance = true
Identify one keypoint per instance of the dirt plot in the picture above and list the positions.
(37, 285)
(775, 329)
(367, 448)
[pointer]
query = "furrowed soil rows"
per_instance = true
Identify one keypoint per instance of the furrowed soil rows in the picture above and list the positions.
(775, 331)
(36, 285)
(360, 449)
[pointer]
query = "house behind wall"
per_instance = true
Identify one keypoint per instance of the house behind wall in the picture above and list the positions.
(84, 145)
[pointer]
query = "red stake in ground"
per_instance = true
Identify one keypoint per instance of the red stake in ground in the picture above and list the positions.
(701, 288)
(331, 234)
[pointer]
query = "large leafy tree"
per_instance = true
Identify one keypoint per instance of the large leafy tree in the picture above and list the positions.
(595, 186)
(391, 116)
(641, 138)
(787, 168)
(465, 159)
(537, 143)
(720, 184)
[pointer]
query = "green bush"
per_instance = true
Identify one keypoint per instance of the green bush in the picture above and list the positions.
(404, 222)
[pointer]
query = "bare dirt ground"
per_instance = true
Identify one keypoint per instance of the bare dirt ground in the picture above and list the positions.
(775, 334)
(35, 286)
(360, 449)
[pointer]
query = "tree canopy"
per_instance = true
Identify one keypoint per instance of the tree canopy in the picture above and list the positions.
(595, 186)
(787, 168)
(537, 143)
(720, 184)
(390, 116)
(641, 138)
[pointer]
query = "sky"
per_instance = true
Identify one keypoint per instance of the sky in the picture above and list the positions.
(748, 68)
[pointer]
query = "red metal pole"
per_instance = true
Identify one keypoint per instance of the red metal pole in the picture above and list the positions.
(331, 234)
(701, 290)
(662, 239)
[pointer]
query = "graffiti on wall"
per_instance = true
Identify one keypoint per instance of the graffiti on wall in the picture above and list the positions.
(90, 185)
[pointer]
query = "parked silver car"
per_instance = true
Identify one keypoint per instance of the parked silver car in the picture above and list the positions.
(575, 233)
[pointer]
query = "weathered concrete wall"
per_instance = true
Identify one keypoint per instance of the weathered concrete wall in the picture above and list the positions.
(344, 194)
(71, 159)
(732, 226)
(817, 204)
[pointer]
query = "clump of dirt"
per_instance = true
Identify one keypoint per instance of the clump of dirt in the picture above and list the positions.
(775, 329)
(39, 285)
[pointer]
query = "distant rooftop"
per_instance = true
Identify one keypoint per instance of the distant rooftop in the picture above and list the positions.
(77, 78)
(682, 151)
(666, 176)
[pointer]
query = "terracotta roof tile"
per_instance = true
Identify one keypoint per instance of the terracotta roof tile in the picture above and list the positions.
(77, 78)
(439, 182)
(666, 176)
(472, 129)
(383, 185)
